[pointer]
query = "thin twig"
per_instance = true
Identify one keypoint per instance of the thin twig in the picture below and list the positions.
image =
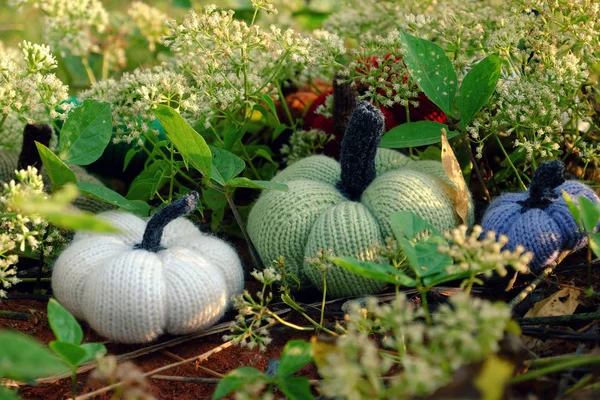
(197, 365)
(560, 319)
(201, 357)
(486, 192)
(186, 379)
(6, 314)
(533, 285)
(547, 333)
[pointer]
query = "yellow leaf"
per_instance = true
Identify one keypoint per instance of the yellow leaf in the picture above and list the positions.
(563, 302)
(452, 169)
(493, 377)
(321, 347)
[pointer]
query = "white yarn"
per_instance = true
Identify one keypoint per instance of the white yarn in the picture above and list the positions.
(132, 295)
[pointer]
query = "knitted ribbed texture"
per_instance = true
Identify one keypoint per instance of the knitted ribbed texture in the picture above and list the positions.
(545, 230)
(8, 165)
(132, 295)
(312, 215)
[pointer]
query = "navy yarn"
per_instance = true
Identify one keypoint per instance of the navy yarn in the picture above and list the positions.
(539, 219)
(156, 225)
(359, 147)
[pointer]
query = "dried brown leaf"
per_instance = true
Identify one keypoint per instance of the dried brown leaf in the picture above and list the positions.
(563, 302)
(452, 169)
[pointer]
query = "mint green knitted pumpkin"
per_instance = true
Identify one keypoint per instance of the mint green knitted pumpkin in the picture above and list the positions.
(346, 206)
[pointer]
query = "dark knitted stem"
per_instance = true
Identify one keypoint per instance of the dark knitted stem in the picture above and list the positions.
(29, 154)
(547, 177)
(359, 146)
(156, 225)
(344, 102)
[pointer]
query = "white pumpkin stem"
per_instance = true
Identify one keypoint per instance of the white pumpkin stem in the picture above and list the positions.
(359, 147)
(156, 225)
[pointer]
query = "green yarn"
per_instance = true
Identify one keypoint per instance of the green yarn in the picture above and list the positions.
(314, 216)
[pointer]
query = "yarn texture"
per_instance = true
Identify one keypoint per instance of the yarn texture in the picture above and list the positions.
(345, 207)
(150, 278)
(539, 219)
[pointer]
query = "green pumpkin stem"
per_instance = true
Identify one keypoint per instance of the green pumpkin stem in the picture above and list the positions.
(154, 230)
(29, 154)
(359, 147)
(547, 177)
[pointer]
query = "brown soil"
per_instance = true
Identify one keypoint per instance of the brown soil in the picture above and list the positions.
(222, 362)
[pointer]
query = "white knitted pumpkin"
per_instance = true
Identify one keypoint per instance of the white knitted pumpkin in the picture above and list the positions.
(159, 276)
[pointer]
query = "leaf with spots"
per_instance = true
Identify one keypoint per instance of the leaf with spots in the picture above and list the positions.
(86, 133)
(431, 69)
(477, 88)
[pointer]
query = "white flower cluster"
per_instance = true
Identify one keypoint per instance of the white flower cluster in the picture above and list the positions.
(483, 255)
(69, 25)
(136, 94)
(233, 64)
(18, 231)
(150, 21)
(464, 331)
(29, 92)
(305, 143)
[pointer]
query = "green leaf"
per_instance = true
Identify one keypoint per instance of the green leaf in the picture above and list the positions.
(595, 243)
(269, 102)
(24, 359)
(431, 69)
(58, 210)
(149, 181)
(263, 153)
(103, 193)
(413, 134)
(477, 88)
(296, 354)
(182, 3)
(57, 170)
(380, 272)
(573, 208)
(63, 324)
(225, 165)
(70, 353)
(590, 213)
(296, 388)
(278, 130)
(92, 350)
(410, 226)
(232, 135)
(248, 183)
(237, 379)
(188, 142)
(8, 394)
(86, 133)
(431, 261)
(128, 157)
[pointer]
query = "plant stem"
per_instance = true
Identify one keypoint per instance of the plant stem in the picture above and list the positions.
(511, 163)
(74, 383)
(253, 253)
(324, 298)
(477, 170)
(284, 322)
(425, 305)
(285, 106)
(4, 116)
(578, 362)
(252, 167)
(88, 70)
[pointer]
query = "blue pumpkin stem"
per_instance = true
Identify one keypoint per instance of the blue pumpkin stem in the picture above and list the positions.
(546, 178)
(154, 230)
(359, 147)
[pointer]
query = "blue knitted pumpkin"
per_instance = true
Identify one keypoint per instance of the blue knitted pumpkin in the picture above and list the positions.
(539, 218)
